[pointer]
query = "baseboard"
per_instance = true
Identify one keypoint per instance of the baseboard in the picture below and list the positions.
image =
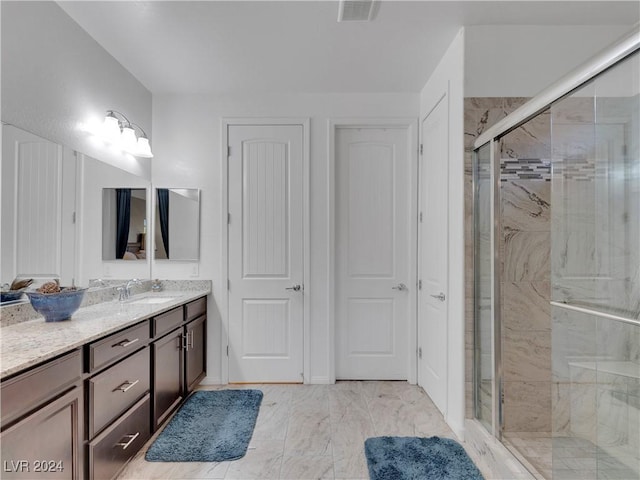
(211, 381)
(320, 380)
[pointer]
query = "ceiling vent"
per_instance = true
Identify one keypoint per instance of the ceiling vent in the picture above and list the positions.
(357, 10)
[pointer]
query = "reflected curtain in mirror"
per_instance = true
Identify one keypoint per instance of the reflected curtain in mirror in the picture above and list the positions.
(123, 218)
(163, 212)
(124, 223)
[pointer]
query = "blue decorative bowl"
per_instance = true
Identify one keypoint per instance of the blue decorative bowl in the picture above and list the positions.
(10, 296)
(55, 307)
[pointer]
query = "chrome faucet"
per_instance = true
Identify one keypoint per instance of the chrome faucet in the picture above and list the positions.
(131, 283)
(124, 290)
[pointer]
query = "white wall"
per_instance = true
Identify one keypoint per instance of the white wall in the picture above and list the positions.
(448, 78)
(55, 77)
(521, 60)
(188, 155)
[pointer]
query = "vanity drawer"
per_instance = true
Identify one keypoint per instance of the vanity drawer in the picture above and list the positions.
(196, 308)
(28, 390)
(167, 321)
(113, 391)
(118, 345)
(114, 447)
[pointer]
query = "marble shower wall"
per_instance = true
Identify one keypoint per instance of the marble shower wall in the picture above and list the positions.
(525, 282)
(525, 245)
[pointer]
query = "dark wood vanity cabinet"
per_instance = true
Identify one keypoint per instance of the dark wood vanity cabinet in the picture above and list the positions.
(86, 413)
(42, 435)
(168, 378)
(179, 358)
(195, 354)
(118, 398)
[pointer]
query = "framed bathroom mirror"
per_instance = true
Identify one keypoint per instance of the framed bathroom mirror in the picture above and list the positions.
(51, 211)
(124, 224)
(177, 224)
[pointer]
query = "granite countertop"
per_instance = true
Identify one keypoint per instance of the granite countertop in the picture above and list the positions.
(28, 343)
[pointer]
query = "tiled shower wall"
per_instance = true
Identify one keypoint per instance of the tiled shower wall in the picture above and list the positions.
(525, 245)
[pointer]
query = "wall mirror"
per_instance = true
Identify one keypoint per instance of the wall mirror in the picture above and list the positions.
(124, 223)
(177, 224)
(51, 211)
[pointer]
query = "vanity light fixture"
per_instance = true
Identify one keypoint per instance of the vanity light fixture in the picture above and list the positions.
(117, 129)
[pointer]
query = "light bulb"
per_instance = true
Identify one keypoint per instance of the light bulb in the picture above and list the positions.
(111, 128)
(129, 141)
(144, 149)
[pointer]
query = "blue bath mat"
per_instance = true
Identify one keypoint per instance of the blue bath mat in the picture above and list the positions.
(413, 458)
(212, 426)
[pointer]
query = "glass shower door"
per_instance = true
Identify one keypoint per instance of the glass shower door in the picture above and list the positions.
(595, 246)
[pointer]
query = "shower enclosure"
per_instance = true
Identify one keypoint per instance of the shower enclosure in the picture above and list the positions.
(556, 215)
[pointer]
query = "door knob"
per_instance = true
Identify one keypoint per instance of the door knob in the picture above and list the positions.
(400, 287)
(441, 296)
(295, 288)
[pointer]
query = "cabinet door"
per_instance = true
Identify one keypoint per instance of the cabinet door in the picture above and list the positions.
(168, 376)
(46, 444)
(196, 358)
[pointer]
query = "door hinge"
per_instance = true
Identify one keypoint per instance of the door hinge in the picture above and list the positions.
(419, 284)
(419, 352)
(421, 149)
(73, 217)
(227, 350)
(420, 217)
(228, 150)
(228, 284)
(228, 219)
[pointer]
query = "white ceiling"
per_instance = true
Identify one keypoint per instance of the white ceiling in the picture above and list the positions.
(297, 46)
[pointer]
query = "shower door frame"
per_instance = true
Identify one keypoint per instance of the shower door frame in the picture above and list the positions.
(496, 306)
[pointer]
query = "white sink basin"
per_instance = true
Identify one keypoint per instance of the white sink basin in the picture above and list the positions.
(151, 300)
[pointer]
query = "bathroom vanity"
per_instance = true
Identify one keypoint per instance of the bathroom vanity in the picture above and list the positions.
(80, 398)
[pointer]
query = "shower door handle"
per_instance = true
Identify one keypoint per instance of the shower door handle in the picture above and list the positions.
(441, 296)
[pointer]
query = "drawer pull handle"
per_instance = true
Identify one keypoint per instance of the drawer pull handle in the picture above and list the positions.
(124, 445)
(126, 386)
(126, 342)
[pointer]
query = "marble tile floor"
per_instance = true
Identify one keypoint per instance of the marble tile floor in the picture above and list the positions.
(573, 458)
(313, 432)
(533, 449)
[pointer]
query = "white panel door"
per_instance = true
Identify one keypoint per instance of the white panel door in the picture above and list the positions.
(38, 203)
(372, 253)
(266, 253)
(433, 253)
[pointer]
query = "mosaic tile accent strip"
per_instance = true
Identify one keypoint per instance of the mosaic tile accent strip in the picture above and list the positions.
(580, 168)
(525, 169)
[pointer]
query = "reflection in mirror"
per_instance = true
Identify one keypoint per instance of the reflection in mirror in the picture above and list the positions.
(177, 224)
(51, 205)
(124, 223)
(38, 208)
